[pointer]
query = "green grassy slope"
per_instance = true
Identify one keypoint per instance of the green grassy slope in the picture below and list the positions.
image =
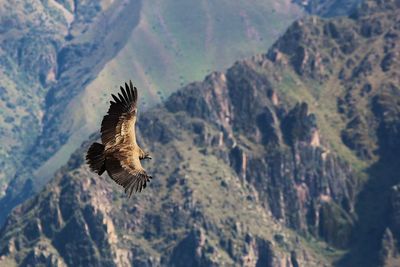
(181, 41)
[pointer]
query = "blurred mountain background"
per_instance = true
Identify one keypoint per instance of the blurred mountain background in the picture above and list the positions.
(284, 155)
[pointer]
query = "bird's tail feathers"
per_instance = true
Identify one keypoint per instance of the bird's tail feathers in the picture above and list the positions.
(95, 158)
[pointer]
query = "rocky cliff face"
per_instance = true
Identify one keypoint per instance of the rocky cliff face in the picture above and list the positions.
(285, 159)
(355, 62)
(276, 150)
(199, 210)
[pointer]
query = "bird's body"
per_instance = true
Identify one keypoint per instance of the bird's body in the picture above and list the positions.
(119, 154)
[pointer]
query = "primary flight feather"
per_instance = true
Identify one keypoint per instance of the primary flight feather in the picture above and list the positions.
(119, 153)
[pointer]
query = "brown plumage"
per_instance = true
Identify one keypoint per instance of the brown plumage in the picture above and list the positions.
(119, 153)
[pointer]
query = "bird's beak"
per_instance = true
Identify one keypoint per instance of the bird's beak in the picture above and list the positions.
(149, 157)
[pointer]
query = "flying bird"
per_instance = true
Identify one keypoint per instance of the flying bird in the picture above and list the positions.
(119, 154)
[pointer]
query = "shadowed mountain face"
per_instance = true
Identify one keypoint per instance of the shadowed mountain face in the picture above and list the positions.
(285, 159)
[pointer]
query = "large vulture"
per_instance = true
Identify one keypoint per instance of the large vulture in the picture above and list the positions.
(119, 153)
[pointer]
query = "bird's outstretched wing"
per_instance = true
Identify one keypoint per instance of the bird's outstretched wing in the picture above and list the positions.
(119, 123)
(129, 175)
(118, 136)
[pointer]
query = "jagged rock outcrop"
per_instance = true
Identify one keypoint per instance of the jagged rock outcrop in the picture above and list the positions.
(278, 152)
(83, 220)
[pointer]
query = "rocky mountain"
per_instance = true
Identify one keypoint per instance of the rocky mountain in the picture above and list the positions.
(286, 159)
(219, 198)
(355, 62)
(59, 58)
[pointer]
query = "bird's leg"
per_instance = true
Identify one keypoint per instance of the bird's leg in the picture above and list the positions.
(144, 155)
(147, 156)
